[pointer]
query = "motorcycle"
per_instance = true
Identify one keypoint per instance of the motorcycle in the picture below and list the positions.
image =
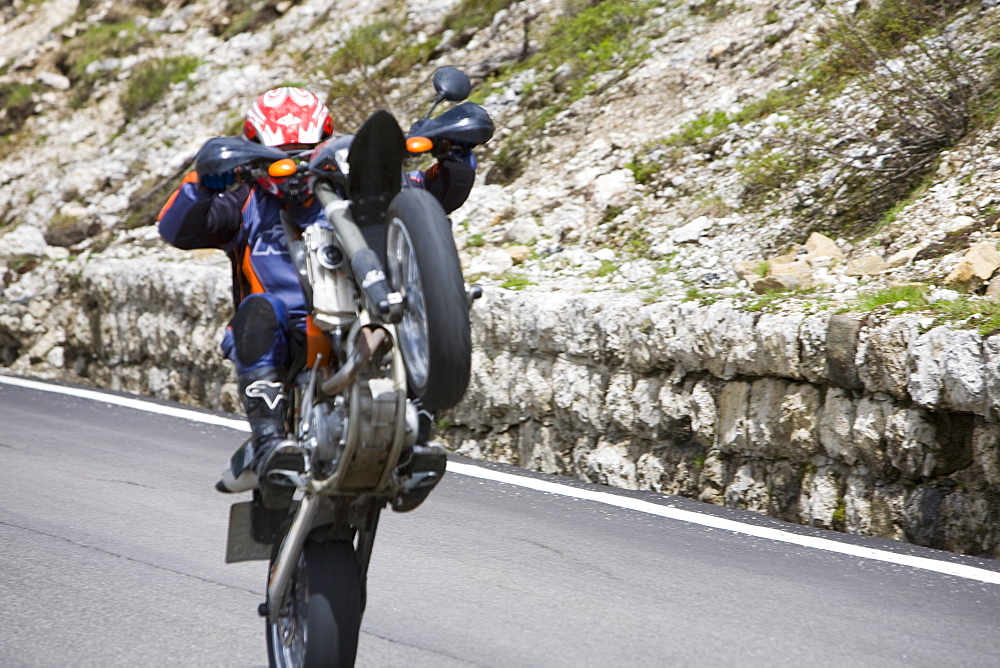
(389, 332)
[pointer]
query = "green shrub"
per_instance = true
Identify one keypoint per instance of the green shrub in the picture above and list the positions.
(248, 16)
(16, 99)
(643, 170)
(474, 15)
(592, 38)
(699, 130)
(897, 55)
(366, 69)
(770, 171)
(589, 38)
(98, 42)
(713, 10)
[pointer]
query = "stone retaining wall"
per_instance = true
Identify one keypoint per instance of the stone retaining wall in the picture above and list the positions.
(864, 425)
(867, 425)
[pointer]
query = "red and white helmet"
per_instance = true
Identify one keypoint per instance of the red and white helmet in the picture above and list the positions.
(287, 116)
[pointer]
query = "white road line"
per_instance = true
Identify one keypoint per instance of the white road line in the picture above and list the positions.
(947, 568)
(958, 570)
(137, 404)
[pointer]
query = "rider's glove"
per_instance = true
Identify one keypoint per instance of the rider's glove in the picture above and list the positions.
(459, 156)
(206, 162)
(216, 183)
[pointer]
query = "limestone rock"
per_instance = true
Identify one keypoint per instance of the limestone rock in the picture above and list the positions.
(975, 268)
(786, 277)
(902, 257)
(959, 223)
(54, 80)
(819, 245)
(993, 289)
(842, 349)
(23, 240)
(493, 262)
(866, 266)
(612, 187)
(523, 231)
(518, 254)
(692, 231)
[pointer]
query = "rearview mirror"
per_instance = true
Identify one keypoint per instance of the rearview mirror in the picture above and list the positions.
(452, 84)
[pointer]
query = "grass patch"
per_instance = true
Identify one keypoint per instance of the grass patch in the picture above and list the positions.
(703, 128)
(151, 80)
(701, 131)
(965, 311)
(365, 69)
(703, 297)
(768, 301)
(97, 42)
(100, 41)
(915, 297)
(643, 171)
(473, 15)
(606, 269)
(17, 103)
(589, 39)
(980, 314)
(593, 38)
(515, 282)
(713, 10)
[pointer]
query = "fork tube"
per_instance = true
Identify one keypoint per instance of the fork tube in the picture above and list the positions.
(338, 214)
(366, 540)
(399, 383)
(288, 556)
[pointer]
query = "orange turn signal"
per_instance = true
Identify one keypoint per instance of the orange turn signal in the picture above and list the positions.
(419, 144)
(281, 168)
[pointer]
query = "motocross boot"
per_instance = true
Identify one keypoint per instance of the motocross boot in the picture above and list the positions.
(267, 449)
(421, 468)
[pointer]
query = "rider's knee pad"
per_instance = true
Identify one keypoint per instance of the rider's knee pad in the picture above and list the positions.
(260, 333)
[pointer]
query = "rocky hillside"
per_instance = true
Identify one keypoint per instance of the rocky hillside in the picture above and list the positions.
(781, 168)
(656, 147)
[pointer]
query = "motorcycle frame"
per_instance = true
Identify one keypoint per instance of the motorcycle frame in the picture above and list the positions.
(361, 349)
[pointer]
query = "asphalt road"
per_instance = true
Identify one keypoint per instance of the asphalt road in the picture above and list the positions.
(112, 545)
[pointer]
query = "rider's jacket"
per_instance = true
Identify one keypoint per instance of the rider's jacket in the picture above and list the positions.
(246, 223)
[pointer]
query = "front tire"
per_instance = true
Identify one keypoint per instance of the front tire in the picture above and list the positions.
(322, 617)
(423, 265)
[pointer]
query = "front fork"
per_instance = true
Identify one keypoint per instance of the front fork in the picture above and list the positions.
(288, 556)
(365, 518)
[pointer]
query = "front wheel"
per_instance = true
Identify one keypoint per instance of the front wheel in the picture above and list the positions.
(423, 265)
(320, 622)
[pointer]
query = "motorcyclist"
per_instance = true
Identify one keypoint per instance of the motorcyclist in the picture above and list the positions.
(267, 333)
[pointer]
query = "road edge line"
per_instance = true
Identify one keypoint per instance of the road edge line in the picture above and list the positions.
(625, 502)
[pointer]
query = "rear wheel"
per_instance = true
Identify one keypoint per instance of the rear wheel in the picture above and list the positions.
(423, 265)
(320, 622)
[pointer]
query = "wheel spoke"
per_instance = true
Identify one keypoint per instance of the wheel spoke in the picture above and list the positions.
(289, 633)
(404, 274)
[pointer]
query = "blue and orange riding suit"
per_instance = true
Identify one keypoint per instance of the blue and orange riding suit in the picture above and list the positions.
(268, 330)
